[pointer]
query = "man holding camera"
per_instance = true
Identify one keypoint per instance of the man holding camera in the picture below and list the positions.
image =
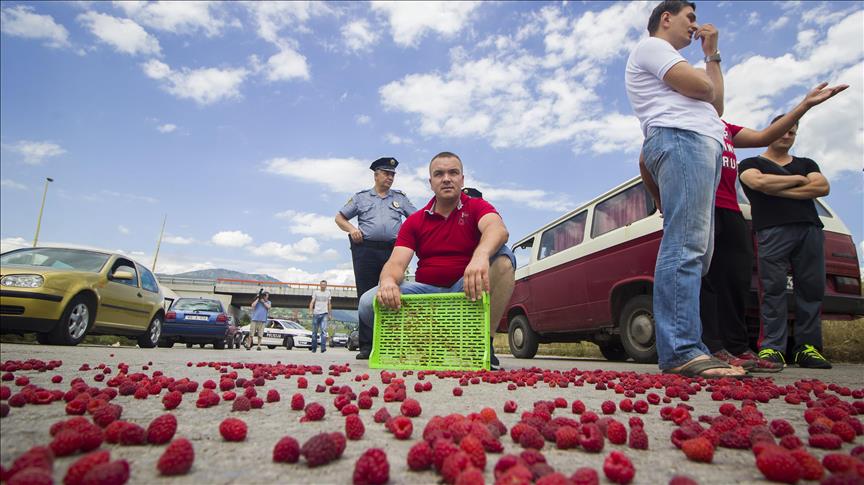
(260, 310)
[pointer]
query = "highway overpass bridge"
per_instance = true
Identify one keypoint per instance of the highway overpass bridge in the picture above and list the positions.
(239, 293)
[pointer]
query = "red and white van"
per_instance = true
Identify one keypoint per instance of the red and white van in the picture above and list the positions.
(588, 276)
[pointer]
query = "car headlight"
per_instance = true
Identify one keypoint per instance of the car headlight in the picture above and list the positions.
(22, 280)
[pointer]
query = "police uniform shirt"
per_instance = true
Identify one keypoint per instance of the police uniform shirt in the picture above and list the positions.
(378, 218)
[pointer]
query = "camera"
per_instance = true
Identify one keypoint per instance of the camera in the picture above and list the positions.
(260, 292)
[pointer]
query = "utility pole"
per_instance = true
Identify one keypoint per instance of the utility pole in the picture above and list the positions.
(48, 180)
(159, 243)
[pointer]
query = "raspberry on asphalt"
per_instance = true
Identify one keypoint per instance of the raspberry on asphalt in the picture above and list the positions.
(297, 402)
(161, 429)
(411, 408)
(75, 473)
(111, 473)
(811, 468)
(31, 476)
(453, 465)
(585, 476)
(273, 395)
(420, 456)
(590, 438)
(241, 404)
(618, 468)
(382, 415)
(319, 450)
(233, 429)
(313, 412)
(402, 427)
(473, 447)
(131, 435)
(779, 466)
(470, 476)
(65, 443)
(616, 433)
(287, 450)
(698, 449)
(638, 439)
(172, 399)
(372, 468)
(531, 438)
(826, 441)
(566, 437)
(177, 458)
(354, 428)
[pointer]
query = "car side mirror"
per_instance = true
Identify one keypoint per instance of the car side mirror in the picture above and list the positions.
(122, 275)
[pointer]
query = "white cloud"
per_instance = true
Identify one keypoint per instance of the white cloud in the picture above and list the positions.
(11, 243)
(334, 276)
(358, 35)
(777, 23)
(286, 65)
(231, 239)
(179, 17)
(11, 184)
(123, 35)
(394, 139)
(128, 196)
(166, 128)
(273, 17)
(753, 19)
(363, 119)
(178, 240)
(204, 86)
(410, 21)
(123, 229)
(302, 250)
(309, 224)
(21, 21)
(516, 99)
(35, 152)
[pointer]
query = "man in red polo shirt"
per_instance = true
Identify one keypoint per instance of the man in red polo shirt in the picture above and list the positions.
(460, 246)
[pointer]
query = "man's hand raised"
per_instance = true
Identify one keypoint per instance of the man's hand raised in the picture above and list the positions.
(476, 278)
(709, 36)
(821, 93)
(389, 295)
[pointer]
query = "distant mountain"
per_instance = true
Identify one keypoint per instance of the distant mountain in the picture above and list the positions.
(212, 274)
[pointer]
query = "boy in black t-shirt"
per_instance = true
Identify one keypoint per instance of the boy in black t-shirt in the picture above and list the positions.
(781, 189)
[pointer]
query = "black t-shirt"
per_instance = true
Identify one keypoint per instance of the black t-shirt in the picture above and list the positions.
(771, 210)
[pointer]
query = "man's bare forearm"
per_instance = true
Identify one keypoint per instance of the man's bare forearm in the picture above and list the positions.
(491, 241)
(803, 192)
(391, 273)
(343, 223)
(716, 77)
(771, 184)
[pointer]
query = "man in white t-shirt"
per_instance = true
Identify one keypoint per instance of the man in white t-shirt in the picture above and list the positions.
(679, 108)
(320, 307)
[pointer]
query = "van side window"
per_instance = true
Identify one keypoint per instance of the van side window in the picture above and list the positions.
(563, 236)
(523, 252)
(621, 210)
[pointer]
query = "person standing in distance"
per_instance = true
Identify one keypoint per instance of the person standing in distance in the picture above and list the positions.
(320, 307)
(380, 212)
(677, 106)
(260, 310)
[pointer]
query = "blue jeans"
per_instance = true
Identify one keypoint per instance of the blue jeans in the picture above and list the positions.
(686, 166)
(319, 324)
(366, 309)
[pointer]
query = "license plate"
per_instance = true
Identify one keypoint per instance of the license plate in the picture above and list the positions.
(789, 284)
(197, 317)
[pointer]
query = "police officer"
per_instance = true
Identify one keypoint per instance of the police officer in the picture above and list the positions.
(380, 211)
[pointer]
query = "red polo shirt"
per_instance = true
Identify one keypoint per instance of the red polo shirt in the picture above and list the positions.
(444, 246)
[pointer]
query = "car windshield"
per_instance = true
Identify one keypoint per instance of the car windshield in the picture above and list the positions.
(70, 259)
(294, 325)
(192, 305)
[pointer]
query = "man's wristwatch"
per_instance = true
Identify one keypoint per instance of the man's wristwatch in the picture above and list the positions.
(715, 57)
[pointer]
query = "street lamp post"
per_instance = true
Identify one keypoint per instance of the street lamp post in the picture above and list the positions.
(41, 208)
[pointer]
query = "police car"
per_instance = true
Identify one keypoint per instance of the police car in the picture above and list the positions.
(280, 332)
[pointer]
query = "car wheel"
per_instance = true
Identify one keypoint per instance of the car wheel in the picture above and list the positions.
(165, 344)
(74, 323)
(43, 338)
(289, 343)
(150, 338)
(189, 346)
(638, 336)
(238, 341)
(219, 344)
(613, 351)
(522, 339)
(271, 347)
(202, 345)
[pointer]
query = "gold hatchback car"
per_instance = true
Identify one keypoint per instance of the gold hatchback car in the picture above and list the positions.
(64, 294)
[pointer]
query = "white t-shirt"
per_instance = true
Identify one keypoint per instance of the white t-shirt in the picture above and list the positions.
(322, 299)
(655, 102)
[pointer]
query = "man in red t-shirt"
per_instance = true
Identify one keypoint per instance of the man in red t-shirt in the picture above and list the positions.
(460, 246)
(726, 287)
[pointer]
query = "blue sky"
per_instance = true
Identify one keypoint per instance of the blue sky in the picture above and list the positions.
(251, 124)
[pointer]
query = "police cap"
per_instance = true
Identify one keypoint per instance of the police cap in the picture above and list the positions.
(388, 164)
(472, 192)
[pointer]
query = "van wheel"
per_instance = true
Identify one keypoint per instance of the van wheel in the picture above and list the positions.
(289, 343)
(522, 339)
(188, 345)
(613, 351)
(637, 329)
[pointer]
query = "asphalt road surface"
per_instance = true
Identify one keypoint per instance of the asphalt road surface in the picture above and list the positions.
(249, 462)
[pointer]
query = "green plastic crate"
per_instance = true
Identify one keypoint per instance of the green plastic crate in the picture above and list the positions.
(439, 331)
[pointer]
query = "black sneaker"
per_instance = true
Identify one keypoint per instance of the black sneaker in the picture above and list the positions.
(363, 355)
(772, 355)
(810, 358)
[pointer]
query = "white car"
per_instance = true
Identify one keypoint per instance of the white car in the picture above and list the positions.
(279, 332)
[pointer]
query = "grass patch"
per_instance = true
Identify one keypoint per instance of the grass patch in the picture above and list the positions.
(842, 341)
